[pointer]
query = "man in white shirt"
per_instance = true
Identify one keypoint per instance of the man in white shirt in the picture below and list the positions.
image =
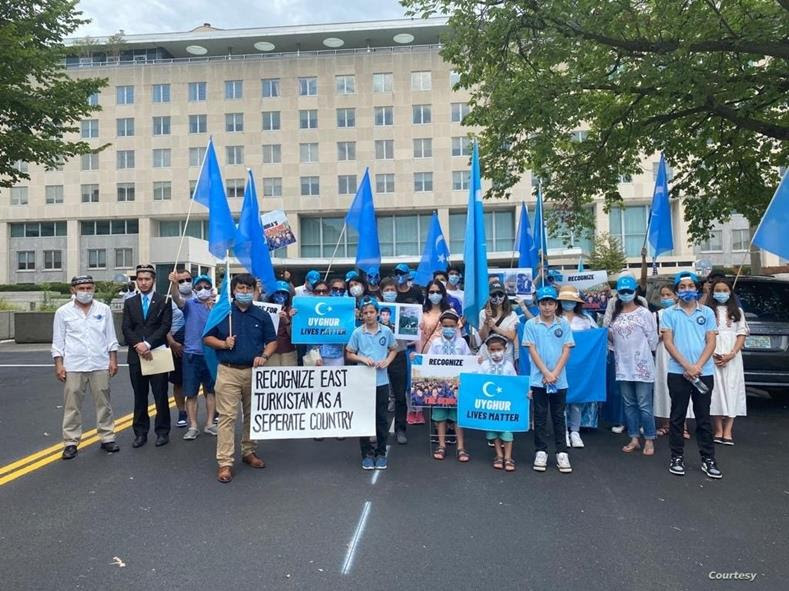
(85, 350)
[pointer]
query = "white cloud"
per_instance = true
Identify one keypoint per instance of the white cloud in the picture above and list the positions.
(159, 16)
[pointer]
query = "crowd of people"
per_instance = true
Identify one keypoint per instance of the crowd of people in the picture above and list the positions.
(676, 359)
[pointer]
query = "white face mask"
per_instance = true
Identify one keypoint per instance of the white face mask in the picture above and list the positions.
(203, 294)
(185, 288)
(497, 356)
(84, 297)
(357, 290)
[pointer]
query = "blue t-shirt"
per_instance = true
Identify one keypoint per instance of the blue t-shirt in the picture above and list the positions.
(253, 330)
(195, 315)
(549, 341)
(375, 345)
(689, 332)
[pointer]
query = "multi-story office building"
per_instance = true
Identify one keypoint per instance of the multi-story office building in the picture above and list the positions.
(307, 109)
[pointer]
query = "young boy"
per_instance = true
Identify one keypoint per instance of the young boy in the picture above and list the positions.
(689, 330)
(496, 364)
(549, 339)
(450, 343)
(374, 345)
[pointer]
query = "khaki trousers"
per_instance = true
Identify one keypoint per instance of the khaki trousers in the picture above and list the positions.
(73, 392)
(283, 360)
(233, 386)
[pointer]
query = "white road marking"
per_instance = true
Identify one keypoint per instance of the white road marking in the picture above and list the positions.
(357, 535)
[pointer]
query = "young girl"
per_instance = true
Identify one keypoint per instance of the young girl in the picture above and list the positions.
(728, 394)
(498, 318)
(286, 351)
(331, 354)
(430, 325)
(633, 332)
(450, 343)
(497, 364)
(572, 310)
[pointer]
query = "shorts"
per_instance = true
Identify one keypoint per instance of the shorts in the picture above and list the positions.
(505, 436)
(177, 376)
(196, 374)
(444, 414)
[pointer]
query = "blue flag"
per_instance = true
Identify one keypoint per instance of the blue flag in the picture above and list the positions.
(251, 250)
(581, 264)
(475, 251)
(540, 233)
(361, 217)
(772, 230)
(493, 403)
(210, 191)
(435, 256)
(660, 236)
(586, 366)
(524, 243)
(219, 312)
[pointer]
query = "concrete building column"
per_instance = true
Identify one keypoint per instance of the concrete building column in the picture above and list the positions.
(72, 249)
(5, 270)
(144, 241)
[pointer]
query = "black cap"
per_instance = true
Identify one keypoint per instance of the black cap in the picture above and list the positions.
(81, 280)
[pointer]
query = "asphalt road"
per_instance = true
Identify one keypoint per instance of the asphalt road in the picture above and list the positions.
(314, 520)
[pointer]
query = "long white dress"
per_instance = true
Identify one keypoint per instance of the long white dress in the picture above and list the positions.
(728, 395)
(661, 401)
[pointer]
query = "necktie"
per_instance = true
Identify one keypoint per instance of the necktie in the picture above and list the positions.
(145, 306)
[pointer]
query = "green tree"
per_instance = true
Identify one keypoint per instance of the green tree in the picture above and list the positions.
(39, 102)
(704, 81)
(607, 254)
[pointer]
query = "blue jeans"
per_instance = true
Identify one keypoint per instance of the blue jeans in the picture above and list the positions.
(574, 416)
(637, 397)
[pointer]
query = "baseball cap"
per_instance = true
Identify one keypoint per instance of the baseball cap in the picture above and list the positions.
(547, 293)
(626, 282)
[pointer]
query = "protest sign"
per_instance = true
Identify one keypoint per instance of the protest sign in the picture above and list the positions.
(273, 311)
(277, 229)
(434, 378)
(516, 282)
(323, 320)
(305, 402)
(493, 403)
(593, 288)
(402, 319)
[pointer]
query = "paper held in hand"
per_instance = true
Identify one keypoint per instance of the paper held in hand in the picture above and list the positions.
(160, 362)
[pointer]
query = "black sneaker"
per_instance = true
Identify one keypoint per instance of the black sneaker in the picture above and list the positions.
(69, 452)
(677, 466)
(710, 468)
(181, 422)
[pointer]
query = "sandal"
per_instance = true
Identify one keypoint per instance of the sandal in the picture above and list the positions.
(509, 465)
(630, 447)
(662, 432)
(649, 448)
(440, 453)
(462, 455)
(686, 434)
(498, 463)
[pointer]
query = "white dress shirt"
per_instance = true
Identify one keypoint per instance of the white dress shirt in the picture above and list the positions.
(84, 341)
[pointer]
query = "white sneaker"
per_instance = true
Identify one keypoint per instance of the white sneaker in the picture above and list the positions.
(575, 439)
(540, 461)
(618, 429)
(568, 443)
(563, 463)
(191, 434)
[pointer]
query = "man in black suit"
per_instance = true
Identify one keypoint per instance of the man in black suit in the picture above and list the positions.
(146, 321)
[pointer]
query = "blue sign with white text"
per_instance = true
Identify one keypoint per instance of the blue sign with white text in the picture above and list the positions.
(490, 402)
(323, 320)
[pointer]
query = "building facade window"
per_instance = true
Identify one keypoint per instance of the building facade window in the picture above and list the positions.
(196, 156)
(499, 230)
(460, 180)
(197, 91)
(423, 182)
(234, 122)
(161, 125)
(272, 186)
(459, 112)
(160, 93)
(714, 243)
(235, 188)
(346, 118)
(18, 195)
(269, 87)
(346, 184)
(629, 226)
(162, 191)
(125, 159)
(421, 80)
(423, 148)
(36, 229)
(308, 119)
(26, 260)
(308, 152)
(383, 116)
(21, 166)
(421, 114)
(346, 151)
(125, 191)
(89, 128)
(308, 86)
(105, 228)
(198, 123)
(89, 162)
(97, 258)
(124, 95)
(310, 186)
(384, 183)
(345, 84)
(383, 82)
(124, 258)
(384, 149)
(318, 237)
(89, 193)
(53, 260)
(271, 120)
(234, 89)
(272, 153)
(234, 154)
(53, 194)
(454, 79)
(740, 239)
(93, 99)
(461, 146)
(161, 158)
(124, 127)
(402, 235)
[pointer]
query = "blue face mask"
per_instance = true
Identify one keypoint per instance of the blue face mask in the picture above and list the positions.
(721, 297)
(454, 279)
(280, 298)
(244, 298)
(626, 297)
(667, 302)
(568, 306)
(390, 296)
(449, 332)
(401, 279)
(435, 298)
(689, 295)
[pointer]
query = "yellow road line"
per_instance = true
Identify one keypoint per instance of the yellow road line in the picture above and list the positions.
(46, 456)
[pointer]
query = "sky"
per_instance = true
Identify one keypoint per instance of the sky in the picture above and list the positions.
(159, 16)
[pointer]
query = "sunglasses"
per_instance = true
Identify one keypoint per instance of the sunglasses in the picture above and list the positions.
(438, 292)
(498, 294)
(627, 291)
(185, 280)
(321, 292)
(338, 292)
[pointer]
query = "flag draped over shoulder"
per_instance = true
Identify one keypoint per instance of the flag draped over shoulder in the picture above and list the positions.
(251, 249)
(660, 235)
(771, 234)
(361, 217)
(435, 256)
(475, 252)
(210, 191)
(219, 312)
